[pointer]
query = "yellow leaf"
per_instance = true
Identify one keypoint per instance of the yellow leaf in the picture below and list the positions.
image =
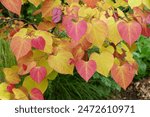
(88, 12)
(48, 6)
(11, 75)
(29, 84)
(60, 62)
(48, 40)
(104, 62)
(113, 35)
(19, 94)
(146, 3)
(35, 2)
(97, 32)
(4, 94)
(134, 3)
(52, 75)
(43, 62)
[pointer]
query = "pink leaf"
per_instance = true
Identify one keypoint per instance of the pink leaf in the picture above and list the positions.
(76, 30)
(38, 74)
(56, 15)
(129, 32)
(86, 69)
(38, 43)
(36, 94)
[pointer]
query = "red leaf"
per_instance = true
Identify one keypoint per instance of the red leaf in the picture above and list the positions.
(86, 69)
(13, 5)
(20, 47)
(38, 43)
(36, 94)
(123, 75)
(38, 74)
(129, 32)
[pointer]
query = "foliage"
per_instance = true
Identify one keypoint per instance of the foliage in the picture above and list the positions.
(59, 36)
(143, 58)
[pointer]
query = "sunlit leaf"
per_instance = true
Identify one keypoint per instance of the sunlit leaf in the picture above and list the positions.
(60, 62)
(104, 62)
(86, 69)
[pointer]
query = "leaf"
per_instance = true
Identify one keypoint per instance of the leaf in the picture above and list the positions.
(38, 43)
(4, 94)
(91, 3)
(36, 94)
(44, 63)
(52, 75)
(97, 32)
(13, 5)
(147, 3)
(20, 47)
(48, 40)
(48, 6)
(11, 75)
(35, 2)
(19, 94)
(134, 3)
(76, 30)
(114, 35)
(26, 63)
(38, 74)
(137, 3)
(86, 69)
(104, 62)
(129, 32)
(29, 84)
(56, 15)
(60, 62)
(123, 75)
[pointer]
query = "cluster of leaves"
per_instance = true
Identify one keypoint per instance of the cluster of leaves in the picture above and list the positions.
(60, 43)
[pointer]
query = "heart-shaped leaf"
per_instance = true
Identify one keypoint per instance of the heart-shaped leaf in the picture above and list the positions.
(86, 69)
(76, 30)
(129, 32)
(56, 15)
(36, 94)
(11, 75)
(38, 43)
(123, 75)
(104, 62)
(12, 5)
(60, 62)
(38, 74)
(20, 47)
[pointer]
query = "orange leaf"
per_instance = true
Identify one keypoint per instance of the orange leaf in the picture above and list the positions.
(123, 75)
(91, 3)
(48, 6)
(129, 32)
(13, 5)
(20, 47)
